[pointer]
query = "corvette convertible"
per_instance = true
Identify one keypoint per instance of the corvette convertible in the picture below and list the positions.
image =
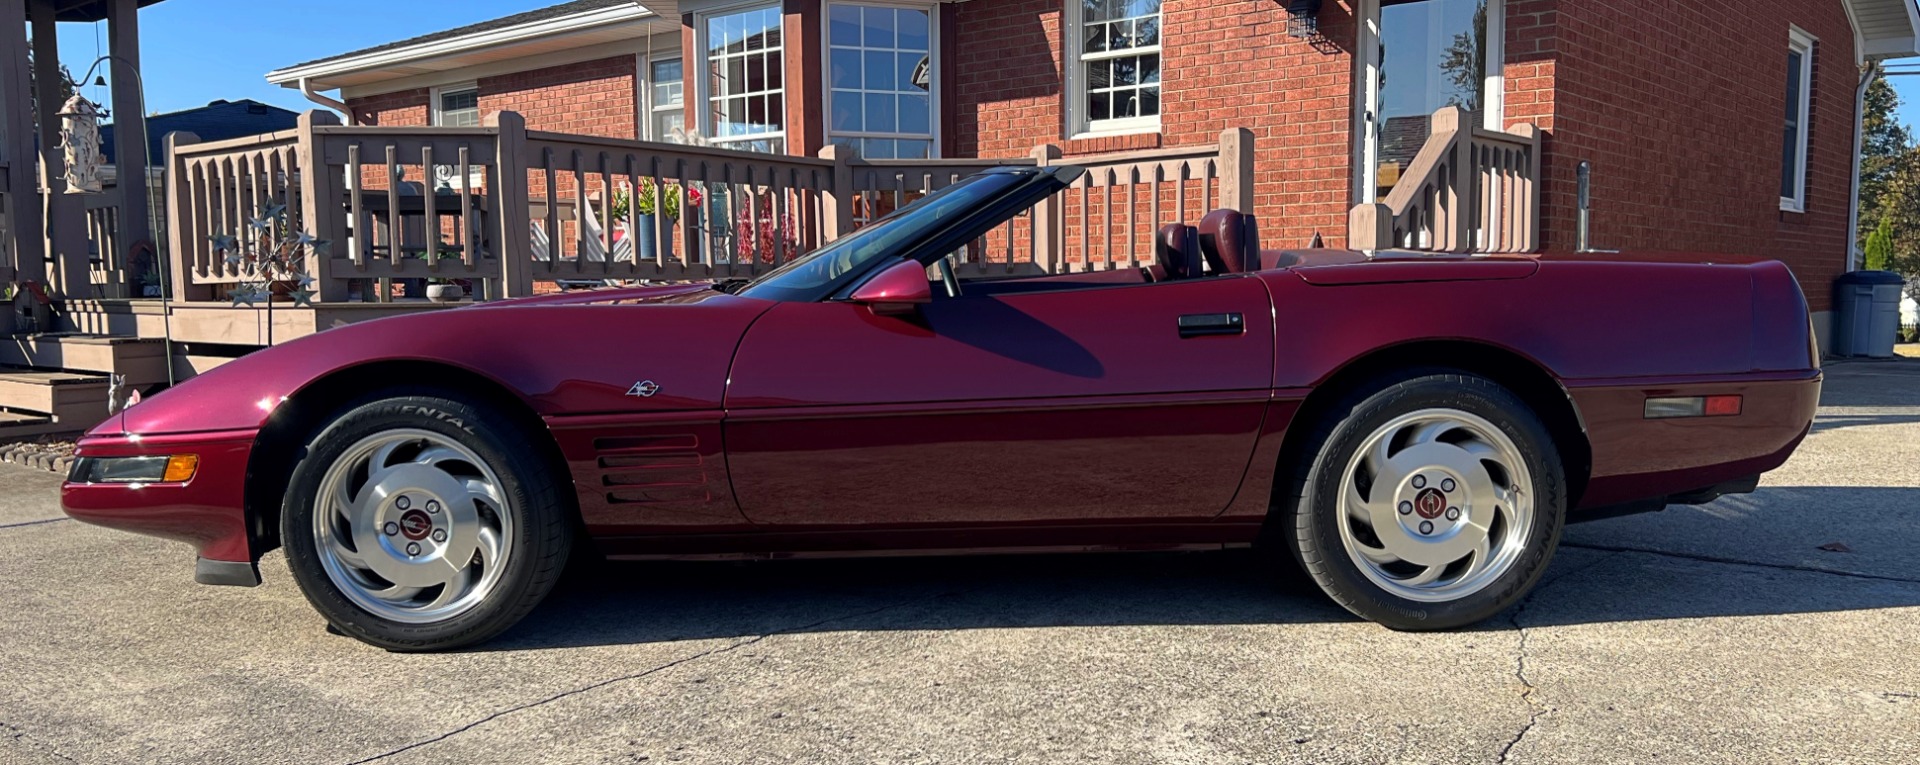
(1411, 430)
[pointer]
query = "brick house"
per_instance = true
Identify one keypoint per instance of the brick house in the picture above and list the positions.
(1661, 124)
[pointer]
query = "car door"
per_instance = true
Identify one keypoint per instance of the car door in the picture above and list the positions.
(1137, 402)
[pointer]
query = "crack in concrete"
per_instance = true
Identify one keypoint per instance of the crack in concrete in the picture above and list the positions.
(730, 647)
(22, 524)
(1738, 562)
(1534, 711)
(20, 735)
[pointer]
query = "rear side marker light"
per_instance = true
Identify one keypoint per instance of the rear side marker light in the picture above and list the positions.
(1692, 406)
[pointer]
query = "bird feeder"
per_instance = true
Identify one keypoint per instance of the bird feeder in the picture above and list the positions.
(80, 145)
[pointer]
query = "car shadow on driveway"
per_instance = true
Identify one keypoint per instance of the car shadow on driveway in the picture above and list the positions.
(1652, 578)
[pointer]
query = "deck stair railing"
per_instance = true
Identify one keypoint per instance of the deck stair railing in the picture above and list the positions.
(1469, 190)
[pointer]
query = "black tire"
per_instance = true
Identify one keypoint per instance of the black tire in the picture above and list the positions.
(542, 513)
(1306, 513)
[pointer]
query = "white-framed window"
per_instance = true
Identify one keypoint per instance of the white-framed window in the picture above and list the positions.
(1793, 146)
(744, 82)
(882, 75)
(456, 105)
(1417, 56)
(663, 98)
(1113, 66)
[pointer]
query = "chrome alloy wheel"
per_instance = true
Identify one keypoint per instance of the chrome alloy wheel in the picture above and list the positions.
(412, 526)
(1436, 505)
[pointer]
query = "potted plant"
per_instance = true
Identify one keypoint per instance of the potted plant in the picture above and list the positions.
(445, 290)
(643, 207)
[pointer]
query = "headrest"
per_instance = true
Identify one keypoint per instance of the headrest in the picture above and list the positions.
(1230, 241)
(1177, 248)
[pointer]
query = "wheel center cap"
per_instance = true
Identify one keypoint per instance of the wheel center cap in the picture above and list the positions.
(1430, 503)
(415, 525)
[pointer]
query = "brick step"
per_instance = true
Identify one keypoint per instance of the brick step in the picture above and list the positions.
(76, 401)
(141, 360)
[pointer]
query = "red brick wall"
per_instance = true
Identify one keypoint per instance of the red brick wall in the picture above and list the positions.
(1223, 65)
(404, 108)
(1679, 108)
(588, 98)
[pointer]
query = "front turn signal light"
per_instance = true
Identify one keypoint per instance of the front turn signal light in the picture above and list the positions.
(180, 468)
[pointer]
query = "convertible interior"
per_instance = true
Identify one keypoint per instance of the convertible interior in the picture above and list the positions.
(1225, 242)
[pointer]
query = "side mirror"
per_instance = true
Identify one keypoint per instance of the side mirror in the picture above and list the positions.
(899, 289)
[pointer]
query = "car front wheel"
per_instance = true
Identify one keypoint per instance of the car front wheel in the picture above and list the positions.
(1431, 501)
(414, 523)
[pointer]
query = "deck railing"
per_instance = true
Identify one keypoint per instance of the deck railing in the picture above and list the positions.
(1468, 190)
(505, 209)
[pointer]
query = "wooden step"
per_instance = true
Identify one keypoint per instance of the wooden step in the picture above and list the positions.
(61, 394)
(141, 360)
(24, 424)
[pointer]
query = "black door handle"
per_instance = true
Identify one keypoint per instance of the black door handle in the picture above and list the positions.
(1205, 324)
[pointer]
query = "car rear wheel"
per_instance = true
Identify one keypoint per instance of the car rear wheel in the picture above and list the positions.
(1429, 501)
(415, 523)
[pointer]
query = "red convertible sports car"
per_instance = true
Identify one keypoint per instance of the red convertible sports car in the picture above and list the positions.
(1413, 430)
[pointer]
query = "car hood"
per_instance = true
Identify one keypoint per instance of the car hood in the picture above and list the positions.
(568, 354)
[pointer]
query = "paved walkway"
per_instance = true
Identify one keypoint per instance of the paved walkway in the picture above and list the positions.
(1712, 635)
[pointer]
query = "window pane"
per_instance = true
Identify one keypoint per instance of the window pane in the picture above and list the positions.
(1096, 38)
(907, 65)
(664, 124)
(916, 114)
(667, 83)
(913, 30)
(877, 148)
(776, 112)
(848, 110)
(880, 72)
(845, 64)
(1098, 106)
(879, 26)
(880, 117)
(769, 28)
(913, 149)
(1149, 102)
(1790, 160)
(843, 25)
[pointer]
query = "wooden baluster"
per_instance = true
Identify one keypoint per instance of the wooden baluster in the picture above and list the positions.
(396, 229)
(430, 210)
(356, 194)
(469, 218)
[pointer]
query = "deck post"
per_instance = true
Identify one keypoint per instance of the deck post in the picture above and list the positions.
(321, 207)
(131, 162)
(837, 218)
(1049, 239)
(25, 224)
(183, 232)
(513, 239)
(1236, 169)
(66, 232)
(1370, 227)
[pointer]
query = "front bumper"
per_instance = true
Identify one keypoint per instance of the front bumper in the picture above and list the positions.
(207, 511)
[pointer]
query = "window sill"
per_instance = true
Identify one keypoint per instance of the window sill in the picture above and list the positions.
(1100, 143)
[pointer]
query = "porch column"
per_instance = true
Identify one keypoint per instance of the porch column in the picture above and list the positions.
(24, 211)
(66, 215)
(130, 144)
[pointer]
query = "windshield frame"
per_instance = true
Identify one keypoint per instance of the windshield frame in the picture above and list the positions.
(765, 286)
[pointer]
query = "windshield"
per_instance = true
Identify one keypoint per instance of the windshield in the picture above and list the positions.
(803, 278)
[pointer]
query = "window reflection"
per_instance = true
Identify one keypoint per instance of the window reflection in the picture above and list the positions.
(880, 80)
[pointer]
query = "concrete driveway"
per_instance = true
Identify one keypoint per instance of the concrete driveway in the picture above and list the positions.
(1714, 634)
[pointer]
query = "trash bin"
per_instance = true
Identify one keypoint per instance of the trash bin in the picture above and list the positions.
(1867, 313)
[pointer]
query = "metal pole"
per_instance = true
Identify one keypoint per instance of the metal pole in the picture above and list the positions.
(166, 311)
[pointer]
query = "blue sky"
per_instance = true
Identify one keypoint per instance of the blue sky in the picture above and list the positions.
(196, 51)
